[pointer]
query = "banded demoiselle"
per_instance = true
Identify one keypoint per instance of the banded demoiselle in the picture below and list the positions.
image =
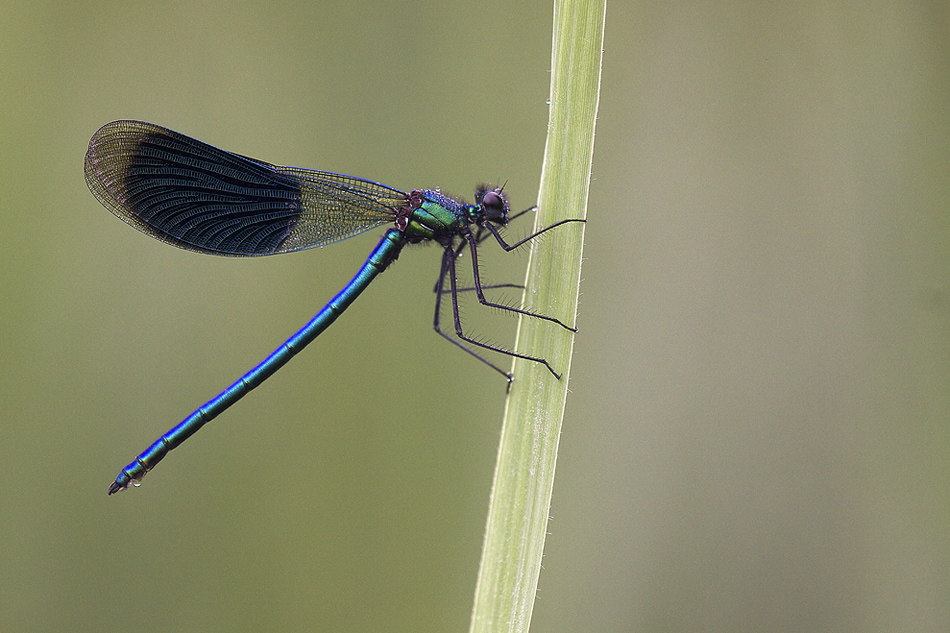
(204, 199)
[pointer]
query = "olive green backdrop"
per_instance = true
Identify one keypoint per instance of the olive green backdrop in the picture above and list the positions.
(758, 435)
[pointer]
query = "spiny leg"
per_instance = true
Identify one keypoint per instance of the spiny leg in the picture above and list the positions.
(493, 287)
(467, 339)
(482, 233)
(448, 255)
(510, 247)
(478, 285)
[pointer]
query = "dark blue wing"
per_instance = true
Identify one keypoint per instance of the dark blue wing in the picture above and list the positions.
(204, 199)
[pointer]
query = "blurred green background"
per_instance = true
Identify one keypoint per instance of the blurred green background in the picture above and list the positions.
(758, 435)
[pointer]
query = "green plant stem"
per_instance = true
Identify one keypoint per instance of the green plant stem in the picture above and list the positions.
(524, 474)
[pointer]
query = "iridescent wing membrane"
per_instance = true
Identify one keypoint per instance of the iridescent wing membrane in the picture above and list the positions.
(204, 199)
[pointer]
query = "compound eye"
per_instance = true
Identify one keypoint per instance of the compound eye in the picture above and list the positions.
(494, 205)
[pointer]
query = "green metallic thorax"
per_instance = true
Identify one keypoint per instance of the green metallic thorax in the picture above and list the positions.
(436, 216)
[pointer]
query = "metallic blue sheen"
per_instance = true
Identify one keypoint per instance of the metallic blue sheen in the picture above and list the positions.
(385, 252)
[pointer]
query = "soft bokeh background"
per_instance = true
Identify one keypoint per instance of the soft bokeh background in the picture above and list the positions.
(758, 436)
